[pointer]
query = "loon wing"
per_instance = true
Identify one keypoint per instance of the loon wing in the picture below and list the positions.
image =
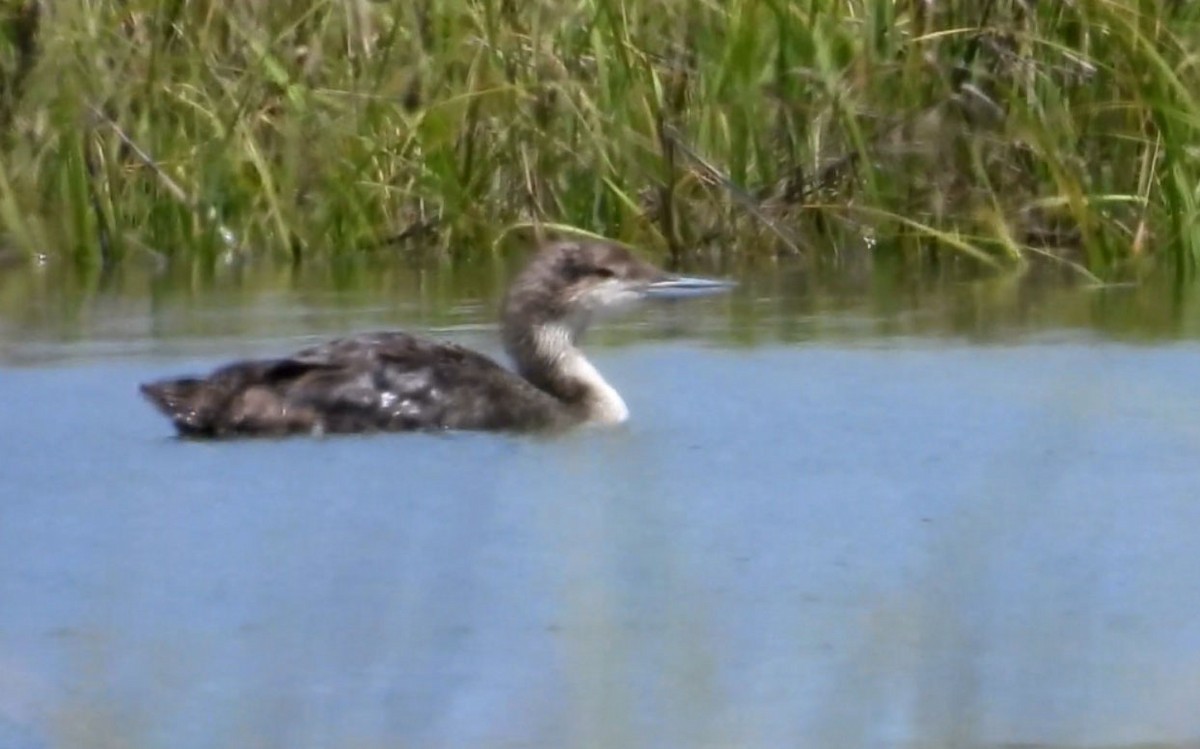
(380, 381)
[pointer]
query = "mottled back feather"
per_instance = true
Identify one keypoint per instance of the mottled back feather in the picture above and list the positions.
(387, 381)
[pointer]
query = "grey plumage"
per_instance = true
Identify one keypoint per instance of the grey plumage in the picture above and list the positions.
(393, 381)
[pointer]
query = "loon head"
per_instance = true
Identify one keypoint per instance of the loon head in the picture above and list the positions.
(568, 284)
(552, 302)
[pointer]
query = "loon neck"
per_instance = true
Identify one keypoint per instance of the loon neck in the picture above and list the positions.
(547, 356)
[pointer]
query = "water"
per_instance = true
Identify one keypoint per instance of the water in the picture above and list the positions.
(951, 516)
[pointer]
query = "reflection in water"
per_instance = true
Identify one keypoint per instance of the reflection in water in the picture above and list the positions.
(135, 310)
(831, 538)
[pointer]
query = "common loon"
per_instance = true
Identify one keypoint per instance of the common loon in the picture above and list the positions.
(393, 381)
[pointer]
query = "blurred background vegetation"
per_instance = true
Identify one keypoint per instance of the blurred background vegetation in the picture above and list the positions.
(968, 133)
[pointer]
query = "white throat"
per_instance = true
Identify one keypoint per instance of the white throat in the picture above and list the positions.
(555, 346)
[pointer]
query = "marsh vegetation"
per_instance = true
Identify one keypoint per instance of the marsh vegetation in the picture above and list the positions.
(861, 501)
(974, 134)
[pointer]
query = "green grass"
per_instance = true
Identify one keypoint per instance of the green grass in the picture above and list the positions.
(981, 133)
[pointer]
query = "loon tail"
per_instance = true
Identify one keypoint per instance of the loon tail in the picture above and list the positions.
(187, 402)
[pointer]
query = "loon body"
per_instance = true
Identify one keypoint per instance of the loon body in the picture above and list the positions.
(393, 381)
